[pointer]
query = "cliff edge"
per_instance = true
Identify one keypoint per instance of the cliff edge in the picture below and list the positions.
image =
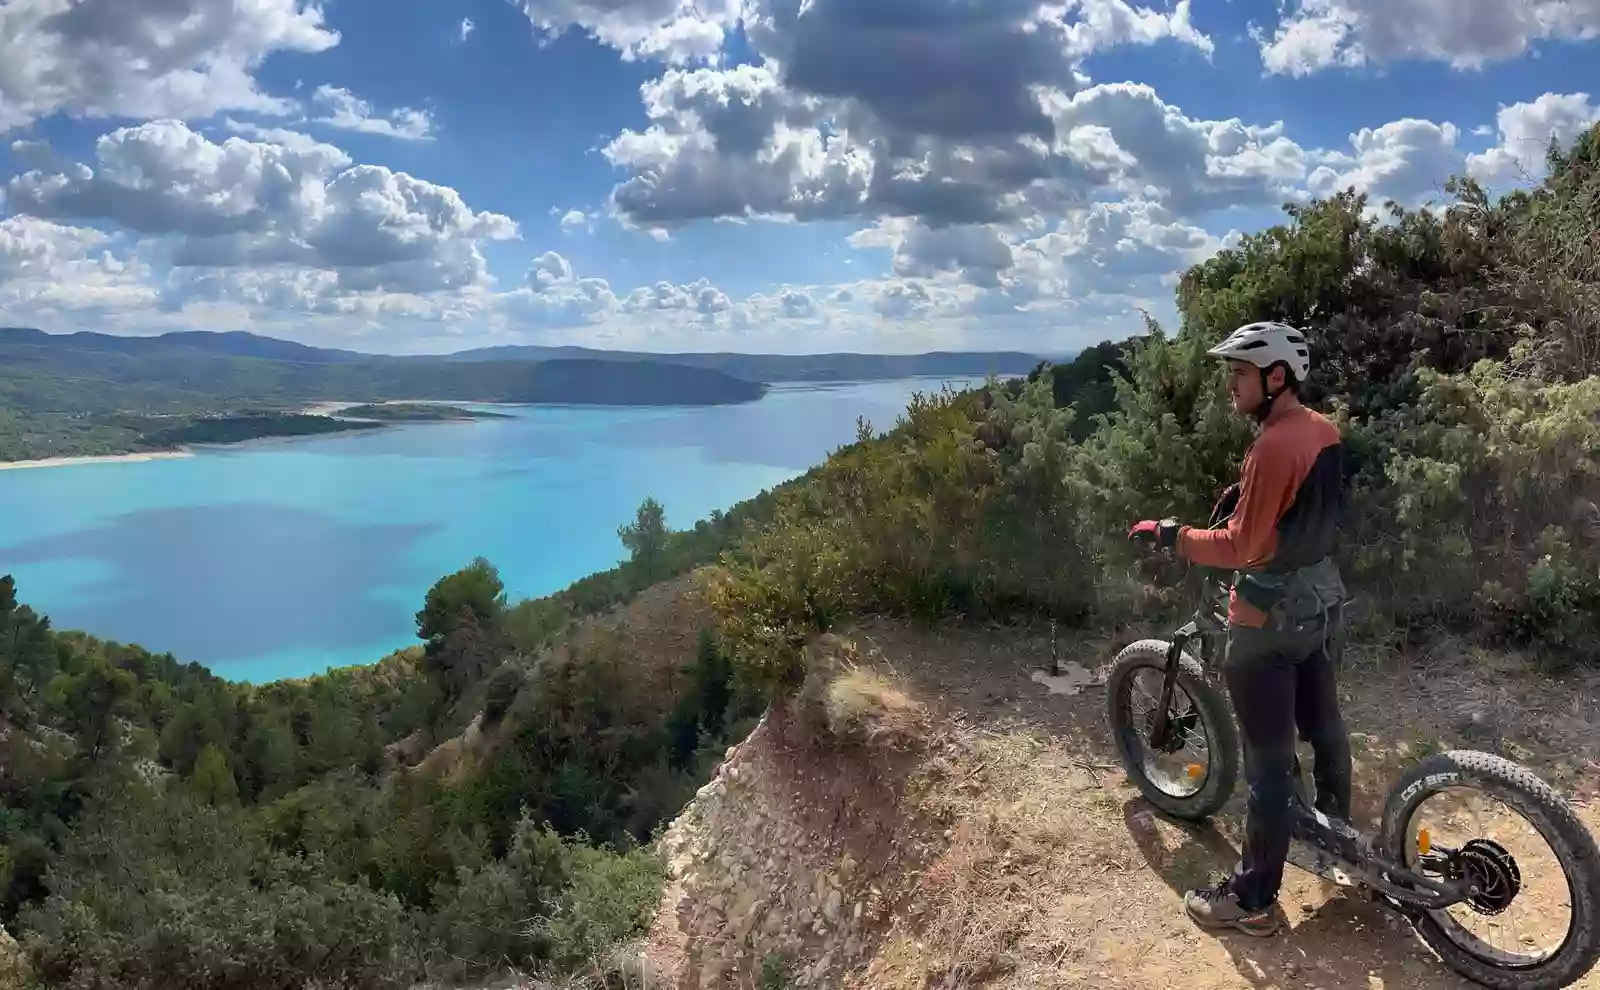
(928, 814)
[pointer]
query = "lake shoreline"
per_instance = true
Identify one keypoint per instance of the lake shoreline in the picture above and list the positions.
(342, 539)
(84, 460)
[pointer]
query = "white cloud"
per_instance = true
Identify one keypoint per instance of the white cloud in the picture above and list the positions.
(554, 298)
(922, 109)
(738, 143)
(34, 248)
(549, 268)
(47, 267)
(797, 304)
(344, 110)
(1405, 160)
(1121, 251)
(467, 27)
(1313, 35)
(732, 143)
(670, 30)
(1526, 130)
(979, 253)
(146, 58)
(291, 139)
(1128, 139)
(574, 220)
(956, 71)
(700, 297)
(246, 203)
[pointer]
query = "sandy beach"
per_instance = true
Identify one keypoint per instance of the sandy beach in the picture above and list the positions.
(154, 455)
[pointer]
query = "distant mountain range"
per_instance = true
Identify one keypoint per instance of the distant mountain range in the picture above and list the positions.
(750, 367)
(789, 367)
(93, 372)
(92, 393)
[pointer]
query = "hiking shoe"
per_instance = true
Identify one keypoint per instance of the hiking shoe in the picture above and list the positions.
(1218, 908)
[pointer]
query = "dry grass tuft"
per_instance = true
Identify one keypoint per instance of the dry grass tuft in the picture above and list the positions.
(974, 916)
(859, 702)
(872, 706)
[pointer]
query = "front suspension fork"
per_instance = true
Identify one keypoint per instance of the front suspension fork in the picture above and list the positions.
(1161, 729)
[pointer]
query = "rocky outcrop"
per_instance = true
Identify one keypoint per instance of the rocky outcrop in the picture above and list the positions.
(13, 963)
(786, 868)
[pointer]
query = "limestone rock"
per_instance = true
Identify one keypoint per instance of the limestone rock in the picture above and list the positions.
(13, 963)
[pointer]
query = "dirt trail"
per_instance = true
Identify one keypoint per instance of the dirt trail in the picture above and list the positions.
(1063, 877)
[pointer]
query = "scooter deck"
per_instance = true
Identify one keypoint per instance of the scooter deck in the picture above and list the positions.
(1318, 862)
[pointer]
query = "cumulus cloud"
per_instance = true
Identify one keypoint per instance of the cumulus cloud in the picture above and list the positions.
(738, 142)
(699, 297)
(1313, 35)
(34, 248)
(344, 110)
(574, 220)
(1406, 161)
(1141, 145)
(292, 139)
(146, 58)
(1526, 130)
(918, 108)
(797, 304)
(1124, 249)
(554, 297)
(674, 31)
(255, 203)
(978, 253)
(732, 143)
(958, 71)
(50, 266)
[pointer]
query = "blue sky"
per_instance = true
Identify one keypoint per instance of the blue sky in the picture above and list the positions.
(760, 175)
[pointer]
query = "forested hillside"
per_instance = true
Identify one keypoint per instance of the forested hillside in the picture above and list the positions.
(474, 803)
(1458, 349)
(58, 400)
(165, 827)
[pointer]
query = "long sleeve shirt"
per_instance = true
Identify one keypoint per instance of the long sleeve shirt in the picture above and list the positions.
(1290, 497)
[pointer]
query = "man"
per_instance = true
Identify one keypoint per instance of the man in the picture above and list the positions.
(1285, 597)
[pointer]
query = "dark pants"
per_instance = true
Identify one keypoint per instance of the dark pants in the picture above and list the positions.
(1277, 681)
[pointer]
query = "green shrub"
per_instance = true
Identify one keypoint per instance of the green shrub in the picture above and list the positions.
(160, 890)
(610, 899)
(968, 505)
(1476, 505)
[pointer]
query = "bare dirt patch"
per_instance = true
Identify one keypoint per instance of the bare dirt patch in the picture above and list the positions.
(1062, 876)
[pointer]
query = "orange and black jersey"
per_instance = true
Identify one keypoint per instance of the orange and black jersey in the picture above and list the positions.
(1290, 498)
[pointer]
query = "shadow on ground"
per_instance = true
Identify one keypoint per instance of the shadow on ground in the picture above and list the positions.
(981, 678)
(1336, 938)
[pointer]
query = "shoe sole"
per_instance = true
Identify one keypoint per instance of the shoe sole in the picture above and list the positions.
(1255, 930)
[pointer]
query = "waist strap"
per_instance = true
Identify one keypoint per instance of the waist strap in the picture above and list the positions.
(1297, 595)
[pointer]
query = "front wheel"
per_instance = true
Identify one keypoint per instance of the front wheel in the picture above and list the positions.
(1191, 773)
(1530, 923)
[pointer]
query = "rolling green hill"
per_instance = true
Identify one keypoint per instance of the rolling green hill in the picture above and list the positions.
(59, 399)
(751, 367)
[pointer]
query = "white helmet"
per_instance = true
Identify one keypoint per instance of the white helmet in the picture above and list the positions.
(1265, 344)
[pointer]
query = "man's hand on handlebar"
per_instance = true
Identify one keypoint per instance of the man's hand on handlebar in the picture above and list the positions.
(1163, 534)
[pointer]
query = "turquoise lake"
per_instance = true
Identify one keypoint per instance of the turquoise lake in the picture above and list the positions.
(285, 558)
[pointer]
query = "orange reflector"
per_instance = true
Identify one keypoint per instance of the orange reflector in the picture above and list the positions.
(1424, 841)
(1196, 771)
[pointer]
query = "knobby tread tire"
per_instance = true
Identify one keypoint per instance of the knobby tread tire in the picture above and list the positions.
(1222, 775)
(1557, 823)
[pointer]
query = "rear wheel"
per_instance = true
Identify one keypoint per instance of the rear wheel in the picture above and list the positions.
(1531, 924)
(1191, 773)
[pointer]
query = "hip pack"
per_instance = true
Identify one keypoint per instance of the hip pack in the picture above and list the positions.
(1297, 601)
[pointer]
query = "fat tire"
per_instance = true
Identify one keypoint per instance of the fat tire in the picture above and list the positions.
(1223, 774)
(1557, 823)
